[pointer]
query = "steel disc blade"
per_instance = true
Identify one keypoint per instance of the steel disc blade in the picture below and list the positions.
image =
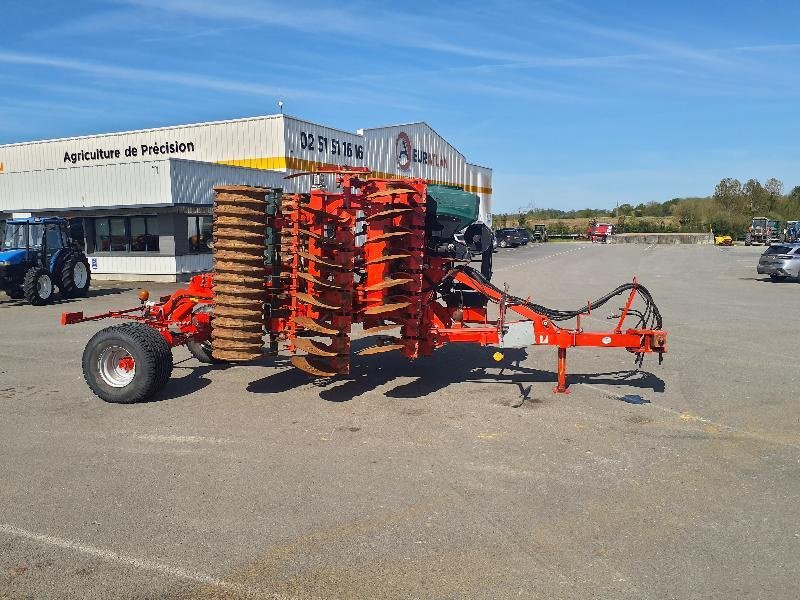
(388, 257)
(313, 347)
(380, 328)
(321, 260)
(386, 283)
(320, 282)
(313, 367)
(392, 212)
(388, 235)
(386, 308)
(309, 299)
(313, 325)
(379, 349)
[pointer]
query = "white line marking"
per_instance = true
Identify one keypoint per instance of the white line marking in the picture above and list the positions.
(146, 565)
(538, 258)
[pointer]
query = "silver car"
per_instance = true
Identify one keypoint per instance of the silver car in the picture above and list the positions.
(780, 261)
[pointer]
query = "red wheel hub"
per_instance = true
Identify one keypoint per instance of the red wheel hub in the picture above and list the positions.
(127, 364)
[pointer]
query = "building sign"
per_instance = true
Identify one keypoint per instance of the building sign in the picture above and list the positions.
(330, 146)
(406, 154)
(143, 150)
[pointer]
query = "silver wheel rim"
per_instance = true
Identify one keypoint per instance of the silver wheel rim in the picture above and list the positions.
(44, 286)
(80, 275)
(111, 368)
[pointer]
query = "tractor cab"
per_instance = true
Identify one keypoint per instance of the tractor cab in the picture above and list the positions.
(40, 236)
(35, 255)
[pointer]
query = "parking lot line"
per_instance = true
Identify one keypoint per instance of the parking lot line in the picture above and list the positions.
(538, 258)
(130, 561)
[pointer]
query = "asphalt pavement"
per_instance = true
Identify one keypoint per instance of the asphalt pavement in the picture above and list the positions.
(448, 477)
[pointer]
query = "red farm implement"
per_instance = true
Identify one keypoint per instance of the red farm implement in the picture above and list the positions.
(386, 255)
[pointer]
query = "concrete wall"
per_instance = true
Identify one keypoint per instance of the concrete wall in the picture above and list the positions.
(662, 238)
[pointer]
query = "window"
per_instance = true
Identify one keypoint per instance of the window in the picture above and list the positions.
(778, 250)
(126, 234)
(102, 240)
(144, 234)
(200, 234)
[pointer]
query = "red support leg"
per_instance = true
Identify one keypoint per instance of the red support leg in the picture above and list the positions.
(561, 388)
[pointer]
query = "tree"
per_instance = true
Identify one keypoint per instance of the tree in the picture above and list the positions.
(757, 197)
(774, 189)
(728, 194)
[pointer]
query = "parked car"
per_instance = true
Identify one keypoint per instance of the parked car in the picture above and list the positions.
(780, 261)
(524, 235)
(508, 236)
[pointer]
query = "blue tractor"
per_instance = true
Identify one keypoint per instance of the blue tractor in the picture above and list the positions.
(36, 256)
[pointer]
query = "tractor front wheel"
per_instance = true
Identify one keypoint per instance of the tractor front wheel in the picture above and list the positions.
(127, 363)
(38, 286)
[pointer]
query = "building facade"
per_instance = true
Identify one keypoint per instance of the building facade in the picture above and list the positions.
(141, 201)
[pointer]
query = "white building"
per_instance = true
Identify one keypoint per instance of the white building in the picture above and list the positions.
(141, 200)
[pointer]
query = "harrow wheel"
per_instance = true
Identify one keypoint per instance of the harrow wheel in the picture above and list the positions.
(127, 363)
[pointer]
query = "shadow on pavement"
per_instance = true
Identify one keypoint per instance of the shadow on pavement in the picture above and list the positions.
(93, 293)
(449, 365)
(179, 387)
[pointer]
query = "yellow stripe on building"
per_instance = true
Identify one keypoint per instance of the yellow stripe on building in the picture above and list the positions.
(282, 163)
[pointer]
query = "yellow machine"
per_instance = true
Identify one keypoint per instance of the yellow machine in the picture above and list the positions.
(723, 240)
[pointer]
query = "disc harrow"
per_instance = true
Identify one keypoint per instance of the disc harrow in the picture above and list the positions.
(378, 253)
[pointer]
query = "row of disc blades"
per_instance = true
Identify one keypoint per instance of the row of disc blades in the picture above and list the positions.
(240, 220)
(393, 259)
(319, 247)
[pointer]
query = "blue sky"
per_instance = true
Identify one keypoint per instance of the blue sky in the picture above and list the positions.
(573, 104)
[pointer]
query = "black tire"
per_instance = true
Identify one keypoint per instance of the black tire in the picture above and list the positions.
(748, 240)
(149, 352)
(503, 244)
(15, 293)
(202, 352)
(38, 286)
(74, 275)
(776, 277)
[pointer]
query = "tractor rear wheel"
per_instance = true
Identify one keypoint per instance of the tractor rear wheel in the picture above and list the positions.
(75, 276)
(127, 363)
(15, 293)
(38, 286)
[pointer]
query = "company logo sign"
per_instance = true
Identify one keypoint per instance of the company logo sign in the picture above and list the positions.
(406, 154)
(403, 149)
